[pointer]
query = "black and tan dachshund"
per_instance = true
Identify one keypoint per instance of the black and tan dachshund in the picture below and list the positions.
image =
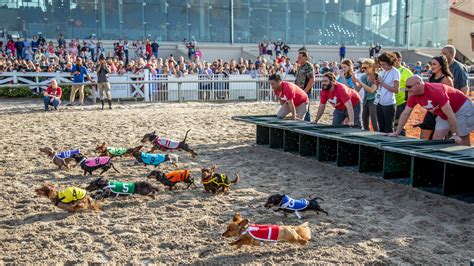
(91, 164)
(167, 144)
(105, 188)
(288, 205)
(172, 178)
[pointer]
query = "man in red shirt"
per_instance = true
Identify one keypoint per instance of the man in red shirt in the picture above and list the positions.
(345, 100)
(454, 110)
(292, 98)
(52, 96)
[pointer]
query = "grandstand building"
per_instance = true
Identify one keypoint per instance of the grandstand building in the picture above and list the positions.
(394, 23)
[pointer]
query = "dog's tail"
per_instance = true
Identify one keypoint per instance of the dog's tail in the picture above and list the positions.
(236, 180)
(111, 164)
(317, 198)
(303, 231)
(186, 136)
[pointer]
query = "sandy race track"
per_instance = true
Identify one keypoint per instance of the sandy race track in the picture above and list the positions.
(369, 220)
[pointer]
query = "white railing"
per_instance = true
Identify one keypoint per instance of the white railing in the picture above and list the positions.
(169, 87)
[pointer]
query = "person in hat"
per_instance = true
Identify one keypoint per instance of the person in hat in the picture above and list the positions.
(103, 83)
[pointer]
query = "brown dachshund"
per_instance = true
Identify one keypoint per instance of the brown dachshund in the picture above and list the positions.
(256, 234)
(112, 152)
(164, 144)
(58, 159)
(72, 199)
(214, 182)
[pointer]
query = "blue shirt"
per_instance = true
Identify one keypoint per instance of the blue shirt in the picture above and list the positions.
(342, 51)
(348, 80)
(79, 78)
(67, 154)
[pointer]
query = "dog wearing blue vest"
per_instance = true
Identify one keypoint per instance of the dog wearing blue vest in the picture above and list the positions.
(153, 158)
(289, 205)
(60, 159)
(104, 188)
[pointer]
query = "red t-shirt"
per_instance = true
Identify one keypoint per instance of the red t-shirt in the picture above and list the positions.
(290, 91)
(436, 95)
(339, 96)
(58, 92)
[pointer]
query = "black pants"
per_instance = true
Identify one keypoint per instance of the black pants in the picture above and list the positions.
(385, 116)
(399, 111)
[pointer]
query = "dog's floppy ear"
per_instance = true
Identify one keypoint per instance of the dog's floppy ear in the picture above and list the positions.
(237, 218)
(213, 168)
(244, 222)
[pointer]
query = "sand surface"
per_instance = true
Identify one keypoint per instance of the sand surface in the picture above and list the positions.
(370, 220)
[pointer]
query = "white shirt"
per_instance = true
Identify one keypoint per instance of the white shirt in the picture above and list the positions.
(388, 77)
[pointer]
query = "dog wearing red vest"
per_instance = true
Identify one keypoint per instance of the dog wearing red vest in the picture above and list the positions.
(256, 234)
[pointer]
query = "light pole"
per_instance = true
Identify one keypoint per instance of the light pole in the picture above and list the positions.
(72, 27)
(46, 25)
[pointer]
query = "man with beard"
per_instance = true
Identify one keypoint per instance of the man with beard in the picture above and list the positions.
(346, 102)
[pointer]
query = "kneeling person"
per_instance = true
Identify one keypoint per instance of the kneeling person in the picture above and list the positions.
(344, 99)
(52, 96)
(292, 98)
(455, 110)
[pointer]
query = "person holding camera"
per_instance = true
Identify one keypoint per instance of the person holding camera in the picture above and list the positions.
(103, 81)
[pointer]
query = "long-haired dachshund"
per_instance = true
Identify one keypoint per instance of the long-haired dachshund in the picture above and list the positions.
(91, 164)
(111, 152)
(167, 144)
(214, 182)
(152, 158)
(106, 188)
(72, 199)
(257, 234)
(289, 205)
(172, 178)
(60, 159)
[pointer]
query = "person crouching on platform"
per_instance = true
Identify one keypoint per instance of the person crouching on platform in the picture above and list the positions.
(454, 110)
(103, 81)
(346, 102)
(292, 98)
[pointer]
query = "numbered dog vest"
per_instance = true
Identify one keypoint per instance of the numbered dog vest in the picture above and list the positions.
(263, 232)
(67, 154)
(167, 143)
(116, 151)
(71, 194)
(177, 176)
(97, 161)
(218, 179)
(152, 158)
(121, 187)
(292, 204)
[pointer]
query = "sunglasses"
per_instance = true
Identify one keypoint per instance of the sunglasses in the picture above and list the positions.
(365, 68)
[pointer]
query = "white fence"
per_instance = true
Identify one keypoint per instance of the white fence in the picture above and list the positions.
(169, 87)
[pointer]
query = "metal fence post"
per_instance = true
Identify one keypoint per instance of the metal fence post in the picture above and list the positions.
(179, 92)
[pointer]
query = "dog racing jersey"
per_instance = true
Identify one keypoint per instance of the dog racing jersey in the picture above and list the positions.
(218, 179)
(71, 194)
(67, 154)
(116, 151)
(268, 233)
(126, 188)
(165, 143)
(152, 158)
(97, 161)
(294, 205)
(177, 176)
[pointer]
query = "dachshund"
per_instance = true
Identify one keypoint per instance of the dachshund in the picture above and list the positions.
(213, 182)
(72, 199)
(60, 159)
(170, 179)
(289, 205)
(111, 152)
(152, 158)
(91, 164)
(106, 188)
(167, 144)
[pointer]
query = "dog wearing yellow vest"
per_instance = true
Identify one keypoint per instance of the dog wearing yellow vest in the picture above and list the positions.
(72, 199)
(214, 182)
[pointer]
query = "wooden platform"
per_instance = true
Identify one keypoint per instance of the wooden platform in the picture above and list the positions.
(436, 166)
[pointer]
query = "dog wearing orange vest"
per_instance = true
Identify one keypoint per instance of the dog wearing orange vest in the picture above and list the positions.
(256, 234)
(172, 178)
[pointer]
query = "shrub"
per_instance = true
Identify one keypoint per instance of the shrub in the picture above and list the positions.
(22, 92)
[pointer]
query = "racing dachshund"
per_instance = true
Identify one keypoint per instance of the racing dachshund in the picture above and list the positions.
(289, 205)
(214, 182)
(152, 158)
(72, 199)
(167, 144)
(106, 188)
(60, 159)
(91, 164)
(170, 179)
(111, 152)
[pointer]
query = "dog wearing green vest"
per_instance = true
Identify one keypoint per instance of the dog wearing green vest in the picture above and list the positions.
(72, 199)
(104, 188)
(112, 152)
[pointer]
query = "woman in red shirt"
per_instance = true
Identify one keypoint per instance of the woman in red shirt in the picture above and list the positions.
(52, 96)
